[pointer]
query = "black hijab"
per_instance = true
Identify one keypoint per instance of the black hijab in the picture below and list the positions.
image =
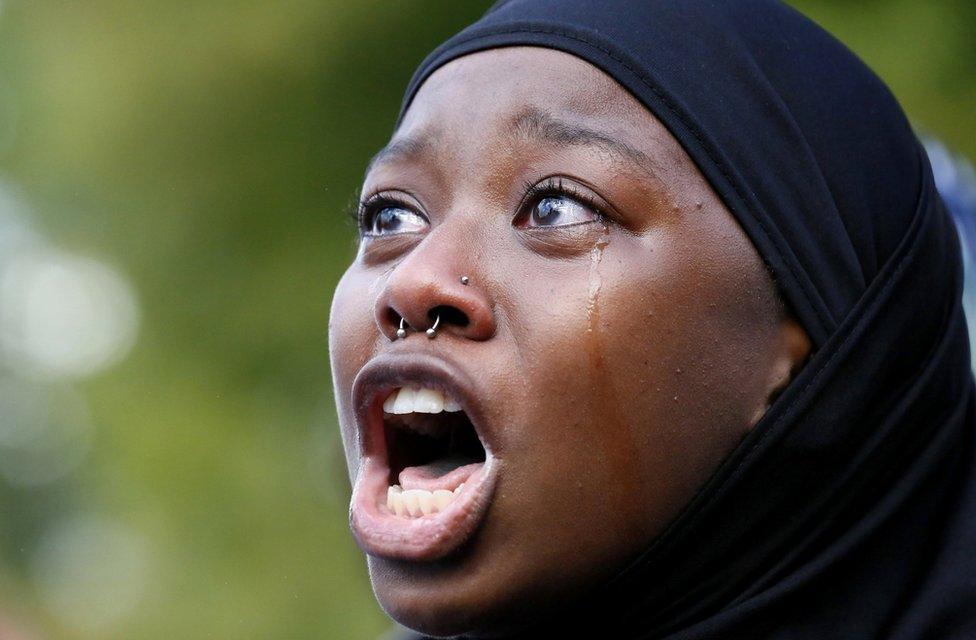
(850, 510)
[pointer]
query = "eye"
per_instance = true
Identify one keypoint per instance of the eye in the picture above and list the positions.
(390, 219)
(558, 211)
(556, 203)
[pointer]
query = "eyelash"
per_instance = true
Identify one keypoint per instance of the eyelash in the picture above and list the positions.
(534, 192)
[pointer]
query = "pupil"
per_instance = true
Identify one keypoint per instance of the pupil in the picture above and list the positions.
(548, 207)
(387, 219)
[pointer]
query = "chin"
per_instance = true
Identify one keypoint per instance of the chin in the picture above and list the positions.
(446, 602)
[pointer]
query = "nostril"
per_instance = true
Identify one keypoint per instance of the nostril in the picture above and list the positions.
(449, 315)
(393, 318)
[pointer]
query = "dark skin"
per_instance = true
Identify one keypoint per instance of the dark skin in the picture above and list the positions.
(623, 332)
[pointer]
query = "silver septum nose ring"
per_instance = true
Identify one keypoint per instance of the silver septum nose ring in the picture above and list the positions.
(431, 332)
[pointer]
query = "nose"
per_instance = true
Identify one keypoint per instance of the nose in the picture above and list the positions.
(430, 287)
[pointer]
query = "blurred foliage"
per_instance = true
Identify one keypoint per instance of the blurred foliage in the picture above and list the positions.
(208, 149)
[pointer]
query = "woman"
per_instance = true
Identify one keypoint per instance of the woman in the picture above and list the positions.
(655, 331)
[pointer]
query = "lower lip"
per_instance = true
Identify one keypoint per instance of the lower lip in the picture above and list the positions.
(382, 533)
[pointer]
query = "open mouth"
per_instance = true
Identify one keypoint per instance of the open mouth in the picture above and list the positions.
(426, 478)
(433, 448)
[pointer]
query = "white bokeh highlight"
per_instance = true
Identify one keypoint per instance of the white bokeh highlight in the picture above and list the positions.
(63, 315)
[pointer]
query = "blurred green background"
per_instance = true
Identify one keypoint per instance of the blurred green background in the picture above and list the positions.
(173, 181)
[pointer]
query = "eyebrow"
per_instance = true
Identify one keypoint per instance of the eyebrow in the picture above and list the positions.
(539, 125)
(404, 148)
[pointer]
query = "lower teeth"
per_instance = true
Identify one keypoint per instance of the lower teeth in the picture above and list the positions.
(414, 503)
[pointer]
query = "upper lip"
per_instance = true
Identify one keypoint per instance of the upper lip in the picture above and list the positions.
(387, 372)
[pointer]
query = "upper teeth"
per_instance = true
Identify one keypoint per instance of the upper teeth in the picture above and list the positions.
(419, 400)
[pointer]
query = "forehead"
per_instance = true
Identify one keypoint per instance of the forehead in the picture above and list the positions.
(502, 79)
(518, 95)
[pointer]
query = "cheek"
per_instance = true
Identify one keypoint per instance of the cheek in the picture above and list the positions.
(685, 343)
(352, 337)
(640, 370)
(577, 465)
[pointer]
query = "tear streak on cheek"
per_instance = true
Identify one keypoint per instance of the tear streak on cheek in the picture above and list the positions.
(593, 300)
(618, 450)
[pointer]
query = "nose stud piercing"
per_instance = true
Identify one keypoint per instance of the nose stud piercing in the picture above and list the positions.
(432, 332)
(465, 280)
(401, 332)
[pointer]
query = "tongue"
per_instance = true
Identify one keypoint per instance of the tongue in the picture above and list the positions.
(446, 473)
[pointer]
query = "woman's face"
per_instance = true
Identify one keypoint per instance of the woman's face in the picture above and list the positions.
(617, 336)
